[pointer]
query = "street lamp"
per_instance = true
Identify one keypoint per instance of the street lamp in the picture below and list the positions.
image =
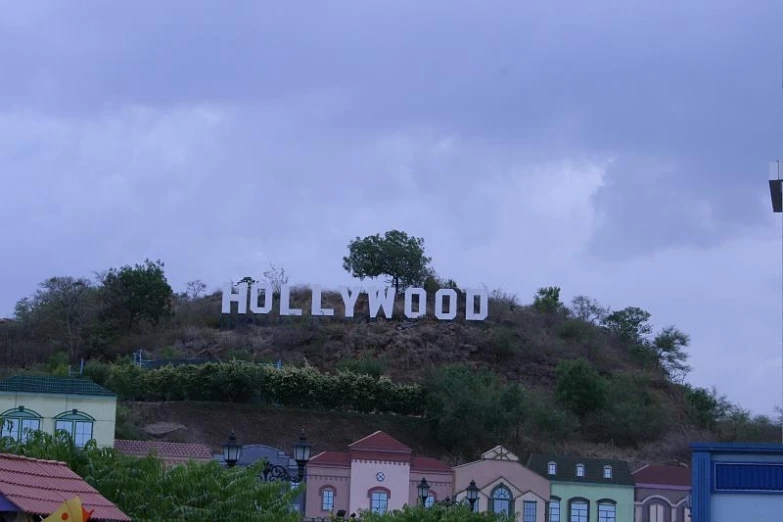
(301, 456)
(472, 494)
(424, 491)
(232, 450)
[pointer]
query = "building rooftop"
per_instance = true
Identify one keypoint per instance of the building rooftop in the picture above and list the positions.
(164, 450)
(39, 487)
(54, 385)
(679, 476)
(594, 469)
(379, 441)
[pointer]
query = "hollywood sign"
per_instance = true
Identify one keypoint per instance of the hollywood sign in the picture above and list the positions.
(378, 299)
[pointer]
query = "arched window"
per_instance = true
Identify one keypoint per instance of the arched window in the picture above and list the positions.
(501, 500)
(327, 499)
(607, 510)
(607, 472)
(430, 500)
(379, 500)
(580, 470)
(554, 509)
(77, 424)
(580, 509)
(552, 468)
(19, 423)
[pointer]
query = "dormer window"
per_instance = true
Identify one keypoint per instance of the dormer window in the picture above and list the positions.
(580, 470)
(552, 468)
(607, 472)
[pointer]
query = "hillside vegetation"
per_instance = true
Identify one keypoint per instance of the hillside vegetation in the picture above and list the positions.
(539, 376)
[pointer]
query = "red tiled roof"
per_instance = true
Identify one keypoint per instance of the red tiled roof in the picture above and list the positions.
(429, 464)
(663, 475)
(39, 487)
(380, 441)
(164, 450)
(331, 458)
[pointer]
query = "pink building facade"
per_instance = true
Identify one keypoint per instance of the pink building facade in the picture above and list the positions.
(377, 473)
(505, 486)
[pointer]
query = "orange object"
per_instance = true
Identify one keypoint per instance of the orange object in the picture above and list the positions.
(70, 511)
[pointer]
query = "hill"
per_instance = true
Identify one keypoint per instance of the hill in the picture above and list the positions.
(538, 376)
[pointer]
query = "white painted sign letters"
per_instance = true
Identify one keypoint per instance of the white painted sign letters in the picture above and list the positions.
(380, 300)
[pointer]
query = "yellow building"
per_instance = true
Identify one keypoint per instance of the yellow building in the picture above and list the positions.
(76, 405)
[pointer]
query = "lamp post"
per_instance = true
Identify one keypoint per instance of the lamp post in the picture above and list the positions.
(472, 493)
(301, 455)
(232, 450)
(424, 491)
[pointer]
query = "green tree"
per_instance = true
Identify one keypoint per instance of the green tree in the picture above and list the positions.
(631, 413)
(60, 313)
(547, 300)
(146, 491)
(668, 347)
(139, 292)
(395, 254)
(579, 387)
(630, 324)
(470, 410)
(588, 310)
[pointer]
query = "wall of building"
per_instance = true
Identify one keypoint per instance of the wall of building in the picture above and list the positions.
(441, 485)
(319, 477)
(525, 484)
(364, 479)
(737, 482)
(674, 502)
(623, 495)
(102, 409)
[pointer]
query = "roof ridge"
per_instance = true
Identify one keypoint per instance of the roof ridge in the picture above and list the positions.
(366, 437)
(13, 456)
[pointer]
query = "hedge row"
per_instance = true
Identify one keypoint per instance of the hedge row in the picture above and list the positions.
(247, 382)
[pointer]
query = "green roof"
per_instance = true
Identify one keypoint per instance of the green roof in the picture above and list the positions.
(55, 385)
(594, 469)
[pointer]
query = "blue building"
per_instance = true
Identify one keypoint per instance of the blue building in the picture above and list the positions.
(737, 482)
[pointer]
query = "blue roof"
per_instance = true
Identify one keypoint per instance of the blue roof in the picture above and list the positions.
(737, 447)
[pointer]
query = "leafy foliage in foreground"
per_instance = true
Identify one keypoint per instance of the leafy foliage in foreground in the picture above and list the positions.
(144, 490)
(436, 513)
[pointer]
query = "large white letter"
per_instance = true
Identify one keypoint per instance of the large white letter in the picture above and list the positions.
(349, 299)
(387, 304)
(285, 300)
(470, 304)
(240, 298)
(315, 308)
(254, 290)
(422, 308)
(439, 295)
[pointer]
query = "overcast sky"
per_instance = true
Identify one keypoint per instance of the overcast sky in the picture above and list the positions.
(618, 151)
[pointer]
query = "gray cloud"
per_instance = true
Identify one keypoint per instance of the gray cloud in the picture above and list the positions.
(618, 151)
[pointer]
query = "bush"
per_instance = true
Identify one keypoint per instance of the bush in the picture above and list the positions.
(366, 365)
(632, 413)
(239, 381)
(438, 513)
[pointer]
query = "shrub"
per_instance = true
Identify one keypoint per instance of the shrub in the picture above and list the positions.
(240, 381)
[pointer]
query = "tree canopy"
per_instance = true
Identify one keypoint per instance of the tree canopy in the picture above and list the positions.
(148, 492)
(395, 254)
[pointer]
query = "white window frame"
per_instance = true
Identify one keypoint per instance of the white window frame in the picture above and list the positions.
(22, 421)
(330, 506)
(74, 423)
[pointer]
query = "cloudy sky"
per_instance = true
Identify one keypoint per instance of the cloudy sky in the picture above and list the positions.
(619, 151)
